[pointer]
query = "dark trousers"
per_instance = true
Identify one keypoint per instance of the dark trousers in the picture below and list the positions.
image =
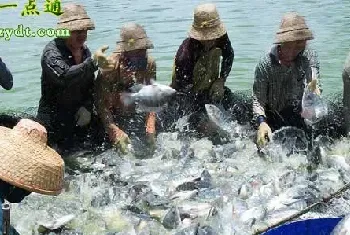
(64, 135)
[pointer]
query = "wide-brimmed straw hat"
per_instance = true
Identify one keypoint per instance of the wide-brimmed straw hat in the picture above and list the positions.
(206, 23)
(74, 17)
(27, 162)
(133, 37)
(293, 28)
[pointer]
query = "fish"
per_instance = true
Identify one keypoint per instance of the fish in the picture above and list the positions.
(184, 195)
(189, 230)
(313, 106)
(343, 227)
(193, 209)
(221, 121)
(148, 98)
(56, 224)
(170, 218)
(291, 139)
(337, 162)
(251, 215)
(217, 115)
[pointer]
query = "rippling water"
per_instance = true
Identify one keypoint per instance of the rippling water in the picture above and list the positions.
(251, 26)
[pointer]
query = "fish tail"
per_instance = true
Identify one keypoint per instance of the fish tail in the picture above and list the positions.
(127, 99)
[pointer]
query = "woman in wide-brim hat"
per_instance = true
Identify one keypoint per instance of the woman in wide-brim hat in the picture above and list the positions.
(197, 69)
(132, 64)
(68, 67)
(27, 163)
(281, 76)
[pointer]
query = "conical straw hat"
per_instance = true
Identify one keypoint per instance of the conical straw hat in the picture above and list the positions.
(74, 17)
(293, 28)
(206, 23)
(27, 162)
(133, 37)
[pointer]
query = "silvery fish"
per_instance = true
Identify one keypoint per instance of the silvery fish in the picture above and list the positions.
(217, 116)
(148, 98)
(343, 227)
(56, 224)
(313, 106)
(221, 121)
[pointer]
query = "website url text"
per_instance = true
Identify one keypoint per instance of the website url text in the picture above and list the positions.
(22, 31)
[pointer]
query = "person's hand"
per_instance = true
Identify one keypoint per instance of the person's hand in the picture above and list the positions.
(106, 63)
(264, 131)
(217, 90)
(82, 117)
(313, 87)
(119, 138)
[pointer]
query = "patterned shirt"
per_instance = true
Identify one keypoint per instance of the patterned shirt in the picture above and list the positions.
(277, 86)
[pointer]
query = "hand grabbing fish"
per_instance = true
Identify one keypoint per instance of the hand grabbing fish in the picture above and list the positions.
(148, 98)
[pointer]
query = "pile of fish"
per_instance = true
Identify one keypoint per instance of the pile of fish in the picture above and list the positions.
(190, 186)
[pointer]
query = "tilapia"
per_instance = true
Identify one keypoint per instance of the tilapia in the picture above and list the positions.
(148, 98)
(56, 224)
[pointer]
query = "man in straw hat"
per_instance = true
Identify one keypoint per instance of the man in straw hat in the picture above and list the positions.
(66, 103)
(27, 164)
(281, 76)
(132, 65)
(197, 70)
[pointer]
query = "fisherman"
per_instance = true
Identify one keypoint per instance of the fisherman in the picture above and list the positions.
(197, 71)
(6, 79)
(132, 65)
(281, 76)
(66, 104)
(27, 165)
